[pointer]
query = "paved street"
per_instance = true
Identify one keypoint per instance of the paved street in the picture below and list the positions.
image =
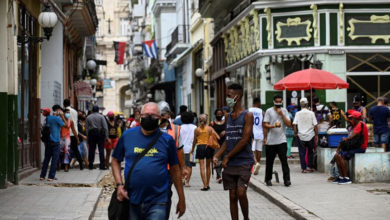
(214, 204)
(331, 201)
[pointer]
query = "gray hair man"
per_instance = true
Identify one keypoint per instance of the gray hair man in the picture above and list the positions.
(149, 181)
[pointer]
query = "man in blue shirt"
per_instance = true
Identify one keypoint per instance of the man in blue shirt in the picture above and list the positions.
(52, 148)
(379, 114)
(149, 181)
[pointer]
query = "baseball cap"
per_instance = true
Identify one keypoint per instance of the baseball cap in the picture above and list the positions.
(355, 114)
(110, 113)
(45, 111)
(304, 100)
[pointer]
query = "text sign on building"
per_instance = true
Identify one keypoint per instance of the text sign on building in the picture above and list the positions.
(367, 29)
(293, 31)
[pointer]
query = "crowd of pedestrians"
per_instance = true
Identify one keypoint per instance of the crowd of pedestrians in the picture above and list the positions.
(231, 145)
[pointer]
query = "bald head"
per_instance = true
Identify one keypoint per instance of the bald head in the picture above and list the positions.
(150, 108)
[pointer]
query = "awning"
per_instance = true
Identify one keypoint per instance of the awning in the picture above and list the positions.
(287, 57)
(183, 55)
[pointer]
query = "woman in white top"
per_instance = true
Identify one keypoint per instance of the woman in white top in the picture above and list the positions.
(186, 139)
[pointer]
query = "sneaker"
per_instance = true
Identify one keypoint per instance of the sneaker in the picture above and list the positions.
(337, 180)
(257, 168)
(345, 181)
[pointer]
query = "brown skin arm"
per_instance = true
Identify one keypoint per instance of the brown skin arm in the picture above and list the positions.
(176, 179)
(219, 153)
(116, 171)
(286, 120)
(248, 126)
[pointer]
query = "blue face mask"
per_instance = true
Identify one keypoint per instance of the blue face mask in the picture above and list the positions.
(67, 115)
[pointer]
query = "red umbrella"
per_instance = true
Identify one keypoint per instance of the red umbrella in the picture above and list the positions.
(311, 79)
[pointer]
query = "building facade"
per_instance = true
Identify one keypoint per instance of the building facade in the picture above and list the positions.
(265, 41)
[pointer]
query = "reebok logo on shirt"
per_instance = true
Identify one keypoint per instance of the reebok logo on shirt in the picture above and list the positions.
(150, 153)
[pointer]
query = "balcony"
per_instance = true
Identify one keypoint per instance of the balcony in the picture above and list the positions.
(218, 9)
(180, 40)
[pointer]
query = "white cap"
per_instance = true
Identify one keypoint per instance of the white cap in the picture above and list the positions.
(304, 100)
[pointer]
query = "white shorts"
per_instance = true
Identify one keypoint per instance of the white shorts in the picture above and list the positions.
(257, 145)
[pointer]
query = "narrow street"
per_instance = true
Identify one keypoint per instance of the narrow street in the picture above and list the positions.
(213, 204)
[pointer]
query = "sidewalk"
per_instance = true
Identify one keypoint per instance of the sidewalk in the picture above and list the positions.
(73, 196)
(311, 196)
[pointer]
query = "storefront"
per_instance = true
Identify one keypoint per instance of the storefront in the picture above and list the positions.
(267, 41)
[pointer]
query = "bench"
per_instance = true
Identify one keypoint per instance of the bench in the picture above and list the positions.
(370, 167)
(374, 157)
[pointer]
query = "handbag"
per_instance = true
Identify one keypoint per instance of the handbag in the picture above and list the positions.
(118, 210)
(213, 142)
(353, 143)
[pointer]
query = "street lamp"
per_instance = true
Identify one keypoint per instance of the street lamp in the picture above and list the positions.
(47, 20)
(91, 65)
(93, 82)
(199, 73)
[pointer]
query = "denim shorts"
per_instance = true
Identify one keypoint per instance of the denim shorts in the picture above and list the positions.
(349, 154)
(381, 138)
(156, 211)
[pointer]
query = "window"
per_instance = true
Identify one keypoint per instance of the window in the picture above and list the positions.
(99, 31)
(125, 27)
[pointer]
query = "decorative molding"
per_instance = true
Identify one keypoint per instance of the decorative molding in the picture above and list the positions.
(374, 19)
(247, 39)
(256, 29)
(315, 22)
(268, 12)
(341, 22)
(293, 22)
(226, 44)
(236, 47)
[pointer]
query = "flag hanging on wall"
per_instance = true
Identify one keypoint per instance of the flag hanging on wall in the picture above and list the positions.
(119, 52)
(150, 48)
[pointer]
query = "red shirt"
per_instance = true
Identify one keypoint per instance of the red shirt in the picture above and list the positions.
(357, 129)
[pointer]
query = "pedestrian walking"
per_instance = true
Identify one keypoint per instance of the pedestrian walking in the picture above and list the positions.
(52, 146)
(238, 160)
(203, 153)
(357, 106)
(112, 136)
(276, 120)
(83, 149)
(66, 141)
(137, 117)
(187, 132)
(306, 132)
(290, 131)
(258, 134)
(97, 131)
(177, 120)
(149, 181)
(73, 136)
(219, 126)
(380, 115)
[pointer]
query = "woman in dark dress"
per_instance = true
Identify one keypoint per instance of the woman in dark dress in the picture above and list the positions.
(219, 126)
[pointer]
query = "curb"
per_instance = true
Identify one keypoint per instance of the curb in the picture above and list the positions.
(95, 205)
(293, 209)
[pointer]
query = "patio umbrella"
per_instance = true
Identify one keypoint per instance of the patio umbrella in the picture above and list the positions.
(311, 79)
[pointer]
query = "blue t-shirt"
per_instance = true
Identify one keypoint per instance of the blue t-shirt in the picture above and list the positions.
(234, 133)
(55, 123)
(149, 180)
(380, 114)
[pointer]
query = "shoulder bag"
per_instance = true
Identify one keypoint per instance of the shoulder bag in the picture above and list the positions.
(118, 210)
(355, 142)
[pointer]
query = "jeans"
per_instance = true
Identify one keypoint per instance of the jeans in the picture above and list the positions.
(334, 172)
(96, 138)
(52, 151)
(147, 211)
(306, 148)
(270, 153)
(289, 145)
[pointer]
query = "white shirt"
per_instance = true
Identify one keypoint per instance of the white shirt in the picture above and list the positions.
(276, 135)
(186, 137)
(74, 118)
(257, 123)
(305, 121)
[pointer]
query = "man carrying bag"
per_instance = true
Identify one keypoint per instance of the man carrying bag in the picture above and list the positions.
(146, 192)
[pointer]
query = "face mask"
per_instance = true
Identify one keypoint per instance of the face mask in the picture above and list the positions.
(67, 115)
(230, 102)
(149, 123)
(219, 118)
(163, 120)
(278, 105)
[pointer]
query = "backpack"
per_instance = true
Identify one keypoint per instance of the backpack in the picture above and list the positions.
(320, 115)
(45, 133)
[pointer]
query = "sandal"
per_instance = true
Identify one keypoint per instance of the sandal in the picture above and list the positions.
(42, 179)
(305, 171)
(49, 179)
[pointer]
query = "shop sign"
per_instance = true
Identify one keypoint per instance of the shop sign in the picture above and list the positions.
(368, 29)
(83, 90)
(108, 84)
(296, 30)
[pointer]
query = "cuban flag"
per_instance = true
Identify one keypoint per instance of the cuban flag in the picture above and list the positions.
(150, 48)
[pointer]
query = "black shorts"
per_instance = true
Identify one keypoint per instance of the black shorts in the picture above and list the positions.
(187, 160)
(202, 152)
(236, 176)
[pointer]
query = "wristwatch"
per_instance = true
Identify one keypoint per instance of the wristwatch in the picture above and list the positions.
(119, 184)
